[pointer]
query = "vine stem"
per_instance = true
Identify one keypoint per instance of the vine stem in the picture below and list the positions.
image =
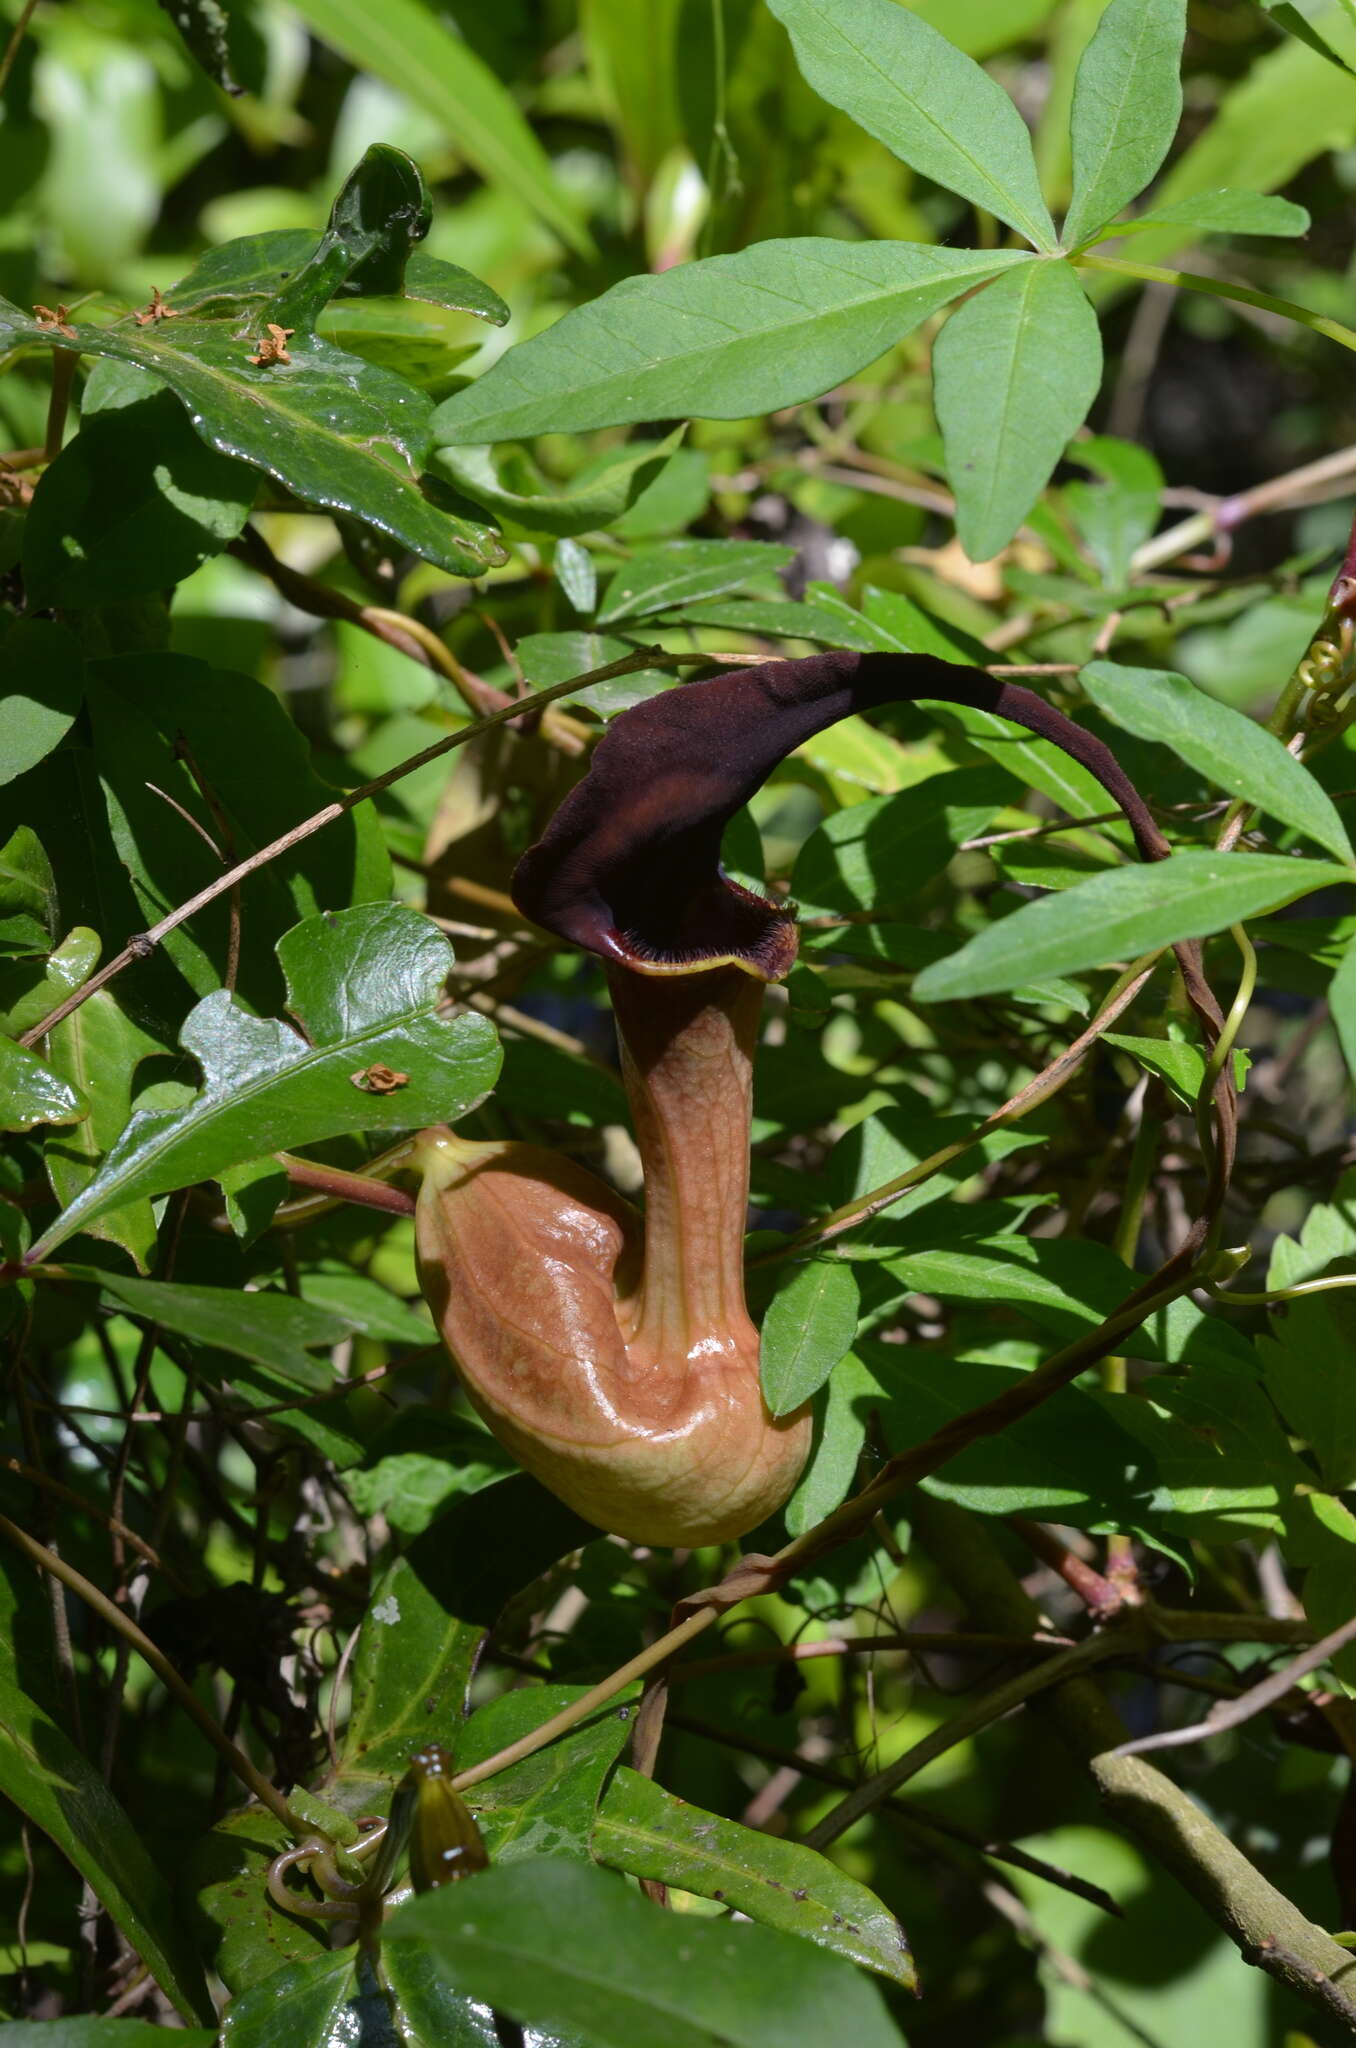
(57, 1568)
(1192, 281)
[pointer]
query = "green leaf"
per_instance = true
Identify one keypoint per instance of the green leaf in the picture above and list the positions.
(545, 1805)
(840, 1432)
(29, 990)
(98, 1049)
(1180, 1064)
(678, 570)
(1121, 915)
(381, 210)
(160, 722)
(428, 1616)
(1120, 510)
(1223, 213)
(338, 432)
(303, 2005)
(420, 1463)
(1307, 1359)
(1342, 1005)
(26, 882)
(48, 1779)
(719, 339)
(647, 1831)
(31, 1092)
(1016, 368)
(1127, 102)
(1229, 749)
(879, 854)
(554, 657)
(809, 1326)
(275, 1331)
(365, 986)
(407, 45)
(595, 498)
(44, 685)
(1225, 1466)
(92, 2032)
(244, 1936)
(558, 1944)
(1296, 23)
(135, 503)
(784, 618)
(932, 106)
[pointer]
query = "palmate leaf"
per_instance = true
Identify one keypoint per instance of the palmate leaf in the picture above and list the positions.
(718, 339)
(339, 432)
(364, 984)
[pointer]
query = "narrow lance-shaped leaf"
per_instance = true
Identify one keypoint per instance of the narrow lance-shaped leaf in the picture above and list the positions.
(1120, 915)
(1220, 213)
(1127, 102)
(1235, 754)
(645, 1830)
(1016, 368)
(365, 985)
(925, 100)
(719, 339)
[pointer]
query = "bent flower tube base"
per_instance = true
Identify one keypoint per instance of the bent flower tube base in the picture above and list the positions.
(614, 1357)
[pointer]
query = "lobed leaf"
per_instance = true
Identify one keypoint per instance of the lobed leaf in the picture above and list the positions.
(364, 984)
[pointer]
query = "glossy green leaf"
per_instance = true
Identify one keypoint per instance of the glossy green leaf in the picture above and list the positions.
(134, 503)
(308, 2004)
(558, 1944)
(1180, 1064)
(1127, 102)
(809, 1326)
(1224, 213)
(52, 1783)
(32, 1092)
(338, 432)
(365, 986)
(840, 1431)
(595, 498)
(44, 684)
(903, 82)
(26, 884)
(545, 1805)
(1232, 751)
(407, 45)
(98, 1049)
(718, 339)
(554, 657)
(679, 570)
(1119, 916)
(243, 1935)
(380, 211)
(647, 1831)
(30, 989)
(1015, 368)
(427, 1619)
(577, 574)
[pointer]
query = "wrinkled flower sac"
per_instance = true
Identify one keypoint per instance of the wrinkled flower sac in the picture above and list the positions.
(613, 1355)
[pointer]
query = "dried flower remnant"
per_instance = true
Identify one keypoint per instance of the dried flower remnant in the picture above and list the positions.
(379, 1079)
(159, 309)
(60, 320)
(273, 345)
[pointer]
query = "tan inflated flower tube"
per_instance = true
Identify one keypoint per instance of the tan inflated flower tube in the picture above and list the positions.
(614, 1356)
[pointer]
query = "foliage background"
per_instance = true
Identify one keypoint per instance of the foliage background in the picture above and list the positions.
(122, 163)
